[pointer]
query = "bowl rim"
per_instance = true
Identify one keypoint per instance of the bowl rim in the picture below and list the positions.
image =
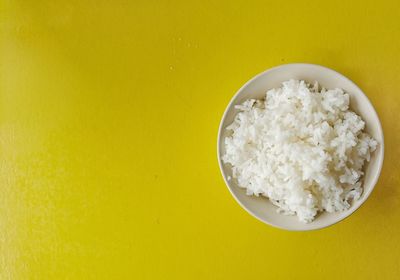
(365, 195)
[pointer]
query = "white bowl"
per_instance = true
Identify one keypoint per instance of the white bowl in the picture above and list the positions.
(260, 207)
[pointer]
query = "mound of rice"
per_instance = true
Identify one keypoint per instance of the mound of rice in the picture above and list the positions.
(300, 147)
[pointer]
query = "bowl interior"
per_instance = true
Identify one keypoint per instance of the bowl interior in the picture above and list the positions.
(260, 207)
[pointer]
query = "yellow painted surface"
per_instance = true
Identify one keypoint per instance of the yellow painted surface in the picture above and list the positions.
(108, 124)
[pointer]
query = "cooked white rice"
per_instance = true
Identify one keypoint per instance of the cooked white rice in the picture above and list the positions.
(300, 147)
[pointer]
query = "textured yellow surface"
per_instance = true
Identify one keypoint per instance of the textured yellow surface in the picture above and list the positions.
(108, 125)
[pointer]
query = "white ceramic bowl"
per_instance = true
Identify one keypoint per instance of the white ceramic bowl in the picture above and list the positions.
(260, 207)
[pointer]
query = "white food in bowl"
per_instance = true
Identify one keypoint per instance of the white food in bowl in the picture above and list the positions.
(300, 147)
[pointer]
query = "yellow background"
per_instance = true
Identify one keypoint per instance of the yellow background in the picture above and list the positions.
(108, 124)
